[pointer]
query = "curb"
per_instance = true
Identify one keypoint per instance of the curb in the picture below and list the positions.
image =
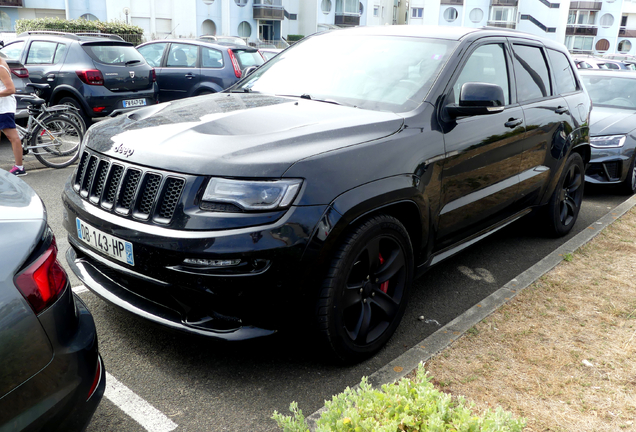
(442, 338)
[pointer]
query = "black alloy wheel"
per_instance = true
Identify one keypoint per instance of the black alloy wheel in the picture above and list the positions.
(565, 203)
(365, 293)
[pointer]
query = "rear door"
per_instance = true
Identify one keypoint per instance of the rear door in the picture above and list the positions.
(548, 120)
(181, 73)
(44, 60)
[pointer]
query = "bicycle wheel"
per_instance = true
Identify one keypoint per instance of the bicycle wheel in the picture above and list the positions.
(56, 142)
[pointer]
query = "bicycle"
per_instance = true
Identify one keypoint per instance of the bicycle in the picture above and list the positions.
(53, 134)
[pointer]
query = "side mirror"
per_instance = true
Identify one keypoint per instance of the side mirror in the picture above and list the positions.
(248, 70)
(476, 98)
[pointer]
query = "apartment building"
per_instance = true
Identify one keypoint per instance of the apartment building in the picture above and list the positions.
(583, 26)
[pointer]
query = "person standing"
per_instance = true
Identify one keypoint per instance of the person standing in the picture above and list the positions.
(7, 117)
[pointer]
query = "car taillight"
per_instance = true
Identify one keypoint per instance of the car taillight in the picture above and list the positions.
(91, 76)
(153, 75)
(96, 379)
(20, 72)
(235, 63)
(43, 282)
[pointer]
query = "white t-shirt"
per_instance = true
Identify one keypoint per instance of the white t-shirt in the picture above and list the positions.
(7, 103)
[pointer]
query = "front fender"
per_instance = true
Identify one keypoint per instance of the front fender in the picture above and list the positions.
(64, 90)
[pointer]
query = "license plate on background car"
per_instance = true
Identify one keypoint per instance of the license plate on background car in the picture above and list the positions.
(134, 103)
(112, 246)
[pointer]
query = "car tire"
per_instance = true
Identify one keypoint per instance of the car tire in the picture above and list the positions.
(629, 185)
(74, 102)
(204, 92)
(363, 297)
(565, 203)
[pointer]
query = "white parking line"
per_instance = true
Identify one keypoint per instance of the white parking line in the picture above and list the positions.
(138, 409)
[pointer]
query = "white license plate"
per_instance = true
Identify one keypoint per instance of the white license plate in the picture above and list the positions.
(134, 103)
(107, 244)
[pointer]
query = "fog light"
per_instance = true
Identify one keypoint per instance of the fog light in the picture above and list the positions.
(99, 109)
(211, 263)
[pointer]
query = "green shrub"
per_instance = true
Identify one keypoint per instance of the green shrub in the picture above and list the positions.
(413, 406)
(128, 32)
(294, 38)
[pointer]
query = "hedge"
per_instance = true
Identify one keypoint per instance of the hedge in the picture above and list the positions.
(294, 38)
(128, 32)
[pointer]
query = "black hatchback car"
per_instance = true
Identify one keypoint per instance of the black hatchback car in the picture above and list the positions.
(99, 75)
(51, 374)
(323, 183)
(194, 67)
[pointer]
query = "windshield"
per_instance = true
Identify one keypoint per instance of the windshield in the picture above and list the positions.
(609, 91)
(387, 73)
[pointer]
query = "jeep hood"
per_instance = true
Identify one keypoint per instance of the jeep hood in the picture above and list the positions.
(236, 135)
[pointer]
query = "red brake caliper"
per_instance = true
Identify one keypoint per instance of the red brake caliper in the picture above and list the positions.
(385, 285)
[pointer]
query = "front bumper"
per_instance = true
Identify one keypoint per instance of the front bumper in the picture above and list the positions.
(609, 166)
(248, 301)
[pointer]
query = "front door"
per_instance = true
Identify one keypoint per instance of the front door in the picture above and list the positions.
(483, 153)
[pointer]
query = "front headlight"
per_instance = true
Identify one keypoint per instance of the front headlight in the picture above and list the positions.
(607, 141)
(249, 195)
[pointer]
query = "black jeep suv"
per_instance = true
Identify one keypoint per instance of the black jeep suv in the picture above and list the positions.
(327, 180)
(99, 74)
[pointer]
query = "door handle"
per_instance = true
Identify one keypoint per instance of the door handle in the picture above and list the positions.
(513, 123)
(561, 110)
(50, 77)
(189, 76)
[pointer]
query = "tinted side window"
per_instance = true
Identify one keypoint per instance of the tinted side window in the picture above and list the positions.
(41, 52)
(182, 55)
(531, 72)
(486, 64)
(211, 58)
(13, 50)
(562, 71)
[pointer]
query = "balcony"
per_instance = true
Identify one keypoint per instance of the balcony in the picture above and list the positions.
(347, 20)
(512, 3)
(503, 24)
(581, 30)
(11, 3)
(268, 10)
(587, 5)
(452, 2)
(628, 33)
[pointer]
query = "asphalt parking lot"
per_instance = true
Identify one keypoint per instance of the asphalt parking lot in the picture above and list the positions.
(161, 381)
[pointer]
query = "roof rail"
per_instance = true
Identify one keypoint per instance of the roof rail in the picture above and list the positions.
(49, 32)
(104, 35)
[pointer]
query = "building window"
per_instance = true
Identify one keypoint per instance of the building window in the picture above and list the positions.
(245, 29)
(503, 14)
(450, 14)
(241, 3)
(579, 43)
(602, 45)
(624, 46)
(208, 27)
(607, 20)
(581, 17)
(326, 6)
(417, 12)
(89, 17)
(624, 21)
(476, 15)
(376, 11)
(347, 7)
(5, 21)
(360, 9)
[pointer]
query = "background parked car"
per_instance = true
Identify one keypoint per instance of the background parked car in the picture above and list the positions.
(51, 375)
(234, 40)
(99, 75)
(612, 128)
(192, 67)
(269, 53)
(20, 77)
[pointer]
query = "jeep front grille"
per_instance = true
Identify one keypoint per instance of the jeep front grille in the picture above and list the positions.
(129, 190)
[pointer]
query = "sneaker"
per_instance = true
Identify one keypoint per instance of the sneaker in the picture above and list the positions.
(17, 171)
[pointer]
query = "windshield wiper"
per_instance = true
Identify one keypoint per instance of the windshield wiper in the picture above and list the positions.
(308, 97)
(131, 62)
